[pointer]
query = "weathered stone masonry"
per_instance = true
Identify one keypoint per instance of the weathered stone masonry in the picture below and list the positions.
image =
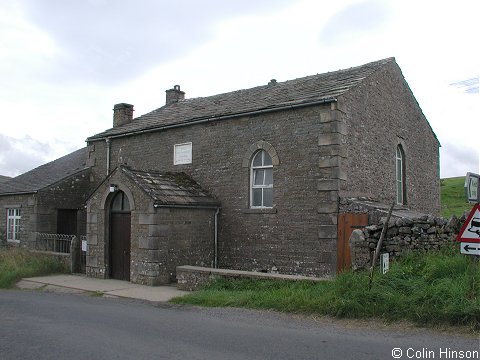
(161, 238)
(301, 229)
(406, 231)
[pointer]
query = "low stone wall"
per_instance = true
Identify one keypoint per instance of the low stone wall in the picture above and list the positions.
(191, 278)
(403, 234)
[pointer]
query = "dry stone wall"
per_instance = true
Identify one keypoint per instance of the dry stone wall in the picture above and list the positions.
(422, 233)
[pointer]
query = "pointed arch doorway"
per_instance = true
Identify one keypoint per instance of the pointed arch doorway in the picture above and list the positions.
(120, 233)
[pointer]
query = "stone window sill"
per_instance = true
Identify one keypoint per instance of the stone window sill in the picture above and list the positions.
(260, 211)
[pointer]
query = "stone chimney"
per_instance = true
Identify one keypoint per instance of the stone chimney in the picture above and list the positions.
(174, 95)
(122, 114)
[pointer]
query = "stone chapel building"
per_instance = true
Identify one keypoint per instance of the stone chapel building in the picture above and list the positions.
(253, 179)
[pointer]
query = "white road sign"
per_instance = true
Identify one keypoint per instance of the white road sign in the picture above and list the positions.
(470, 231)
(471, 187)
(470, 248)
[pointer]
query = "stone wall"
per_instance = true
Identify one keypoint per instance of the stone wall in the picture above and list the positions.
(423, 233)
(161, 238)
(191, 278)
(343, 148)
(27, 205)
(298, 235)
(70, 193)
(382, 113)
(39, 210)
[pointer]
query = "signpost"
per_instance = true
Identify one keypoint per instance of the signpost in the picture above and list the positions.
(472, 187)
(385, 258)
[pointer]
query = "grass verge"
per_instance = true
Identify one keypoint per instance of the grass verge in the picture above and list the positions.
(17, 263)
(441, 288)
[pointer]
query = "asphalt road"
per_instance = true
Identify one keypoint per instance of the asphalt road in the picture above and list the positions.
(40, 325)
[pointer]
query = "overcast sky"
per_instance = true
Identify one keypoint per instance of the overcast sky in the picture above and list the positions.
(65, 63)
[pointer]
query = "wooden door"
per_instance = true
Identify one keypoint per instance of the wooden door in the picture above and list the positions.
(120, 246)
(347, 222)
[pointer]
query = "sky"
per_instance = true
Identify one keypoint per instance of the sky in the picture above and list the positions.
(65, 63)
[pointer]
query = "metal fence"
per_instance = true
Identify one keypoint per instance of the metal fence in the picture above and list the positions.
(59, 243)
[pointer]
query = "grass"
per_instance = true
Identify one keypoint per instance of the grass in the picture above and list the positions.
(17, 263)
(440, 288)
(453, 197)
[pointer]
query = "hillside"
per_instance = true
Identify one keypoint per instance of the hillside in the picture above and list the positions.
(453, 196)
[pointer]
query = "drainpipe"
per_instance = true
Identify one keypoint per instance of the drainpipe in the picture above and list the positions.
(107, 141)
(216, 238)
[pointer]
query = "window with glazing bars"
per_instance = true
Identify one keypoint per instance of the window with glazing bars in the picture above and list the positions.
(261, 181)
(13, 224)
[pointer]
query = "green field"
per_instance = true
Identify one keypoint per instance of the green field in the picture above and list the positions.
(453, 197)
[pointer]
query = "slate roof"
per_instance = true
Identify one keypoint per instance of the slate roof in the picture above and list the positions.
(47, 174)
(303, 90)
(4, 178)
(171, 188)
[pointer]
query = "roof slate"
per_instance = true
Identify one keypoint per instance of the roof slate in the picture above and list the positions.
(4, 178)
(47, 174)
(293, 92)
(167, 188)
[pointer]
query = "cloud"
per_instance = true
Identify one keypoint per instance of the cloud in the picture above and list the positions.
(469, 86)
(355, 21)
(109, 42)
(457, 160)
(20, 155)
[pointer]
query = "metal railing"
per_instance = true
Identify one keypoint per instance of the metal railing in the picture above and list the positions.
(59, 243)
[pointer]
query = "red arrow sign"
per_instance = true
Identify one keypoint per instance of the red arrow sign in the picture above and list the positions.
(470, 231)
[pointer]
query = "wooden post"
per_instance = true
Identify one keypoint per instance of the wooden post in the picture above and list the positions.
(379, 245)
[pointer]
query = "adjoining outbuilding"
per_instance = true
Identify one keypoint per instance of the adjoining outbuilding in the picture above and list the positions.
(48, 199)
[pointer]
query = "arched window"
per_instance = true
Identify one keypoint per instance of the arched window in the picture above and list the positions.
(261, 180)
(400, 170)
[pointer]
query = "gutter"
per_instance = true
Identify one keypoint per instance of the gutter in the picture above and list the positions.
(216, 118)
(19, 193)
(177, 206)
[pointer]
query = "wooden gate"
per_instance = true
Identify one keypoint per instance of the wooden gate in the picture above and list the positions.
(347, 222)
